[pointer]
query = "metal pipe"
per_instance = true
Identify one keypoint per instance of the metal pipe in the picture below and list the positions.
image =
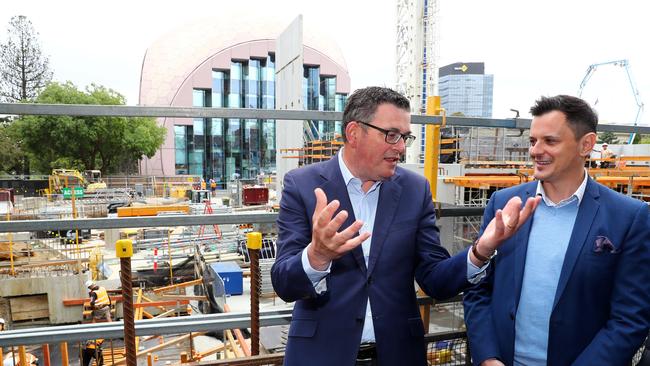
(178, 220)
(145, 327)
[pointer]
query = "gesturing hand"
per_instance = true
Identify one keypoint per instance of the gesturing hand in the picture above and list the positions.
(327, 243)
(505, 223)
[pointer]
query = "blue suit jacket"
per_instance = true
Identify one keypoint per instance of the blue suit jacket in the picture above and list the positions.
(601, 309)
(326, 329)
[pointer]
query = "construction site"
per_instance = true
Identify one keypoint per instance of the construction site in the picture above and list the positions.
(193, 273)
(186, 264)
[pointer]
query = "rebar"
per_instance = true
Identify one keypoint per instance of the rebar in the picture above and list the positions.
(255, 301)
(129, 322)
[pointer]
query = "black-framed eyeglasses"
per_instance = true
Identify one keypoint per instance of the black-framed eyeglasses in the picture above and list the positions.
(392, 137)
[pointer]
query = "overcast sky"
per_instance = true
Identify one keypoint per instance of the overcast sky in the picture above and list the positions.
(532, 48)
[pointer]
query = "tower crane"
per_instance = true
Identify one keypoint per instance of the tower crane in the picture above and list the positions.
(635, 92)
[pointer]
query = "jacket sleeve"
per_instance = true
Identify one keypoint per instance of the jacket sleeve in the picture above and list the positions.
(478, 315)
(440, 276)
(294, 234)
(629, 319)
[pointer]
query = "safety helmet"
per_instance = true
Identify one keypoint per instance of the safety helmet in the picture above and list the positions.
(90, 283)
(2, 320)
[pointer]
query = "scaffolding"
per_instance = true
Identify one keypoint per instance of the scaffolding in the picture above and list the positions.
(314, 151)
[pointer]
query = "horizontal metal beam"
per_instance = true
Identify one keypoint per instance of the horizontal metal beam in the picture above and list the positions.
(275, 114)
(512, 123)
(175, 220)
(178, 112)
(113, 330)
(133, 222)
(177, 325)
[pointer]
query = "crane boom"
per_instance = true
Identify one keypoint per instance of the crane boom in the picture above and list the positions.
(625, 64)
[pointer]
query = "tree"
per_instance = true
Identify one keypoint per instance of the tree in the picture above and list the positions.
(110, 144)
(24, 71)
(12, 158)
(608, 137)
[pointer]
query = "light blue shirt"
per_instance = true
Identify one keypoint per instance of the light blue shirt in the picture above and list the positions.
(548, 241)
(364, 205)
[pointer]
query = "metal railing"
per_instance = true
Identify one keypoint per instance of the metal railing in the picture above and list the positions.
(275, 114)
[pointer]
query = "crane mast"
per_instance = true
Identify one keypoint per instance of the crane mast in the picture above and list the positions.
(417, 59)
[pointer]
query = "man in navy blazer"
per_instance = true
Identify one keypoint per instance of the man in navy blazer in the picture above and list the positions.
(354, 293)
(572, 286)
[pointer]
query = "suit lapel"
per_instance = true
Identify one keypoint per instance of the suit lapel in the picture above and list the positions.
(521, 246)
(335, 188)
(389, 196)
(586, 215)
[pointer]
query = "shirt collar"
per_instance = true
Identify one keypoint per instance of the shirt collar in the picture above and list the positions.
(579, 193)
(347, 174)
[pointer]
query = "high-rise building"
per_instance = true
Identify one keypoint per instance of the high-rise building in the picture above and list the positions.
(417, 61)
(230, 63)
(465, 89)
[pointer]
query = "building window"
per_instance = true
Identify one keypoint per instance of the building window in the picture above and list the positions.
(225, 148)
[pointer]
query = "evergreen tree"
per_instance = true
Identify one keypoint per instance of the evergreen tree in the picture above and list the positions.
(24, 70)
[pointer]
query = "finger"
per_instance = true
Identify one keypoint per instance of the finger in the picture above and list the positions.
(353, 243)
(529, 208)
(325, 216)
(350, 231)
(499, 226)
(333, 226)
(511, 212)
(321, 202)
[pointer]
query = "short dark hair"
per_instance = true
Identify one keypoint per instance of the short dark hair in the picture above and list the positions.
(581, 117)
(362, 104)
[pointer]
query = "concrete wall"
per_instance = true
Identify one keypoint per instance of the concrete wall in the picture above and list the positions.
(57, 289)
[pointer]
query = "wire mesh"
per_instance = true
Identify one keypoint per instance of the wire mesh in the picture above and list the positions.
(448, 349)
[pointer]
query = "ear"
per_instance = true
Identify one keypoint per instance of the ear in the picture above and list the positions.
(587, 143)
(352, 130)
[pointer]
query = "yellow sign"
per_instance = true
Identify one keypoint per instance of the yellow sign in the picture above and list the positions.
(124, 248)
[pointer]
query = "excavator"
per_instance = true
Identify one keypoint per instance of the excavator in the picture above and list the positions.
(90, 180)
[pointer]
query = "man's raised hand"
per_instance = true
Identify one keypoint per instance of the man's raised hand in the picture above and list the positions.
(327, 243)
(505, 223)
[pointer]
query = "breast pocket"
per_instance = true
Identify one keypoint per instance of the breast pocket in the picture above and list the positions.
(598, 268)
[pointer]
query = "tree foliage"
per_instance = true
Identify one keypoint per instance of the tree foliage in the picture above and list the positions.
(24, 70)
(12, 158)
(110, 144)
(608, 137)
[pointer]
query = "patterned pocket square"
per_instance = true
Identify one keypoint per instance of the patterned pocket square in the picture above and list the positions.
(603, 244)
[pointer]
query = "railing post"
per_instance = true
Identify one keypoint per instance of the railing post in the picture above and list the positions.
(64, 353)
(22, 356)
(124, 251)
(254, 244)
(46, 354)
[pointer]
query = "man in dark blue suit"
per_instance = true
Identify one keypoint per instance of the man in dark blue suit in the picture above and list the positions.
(572, 286)
(354, 293)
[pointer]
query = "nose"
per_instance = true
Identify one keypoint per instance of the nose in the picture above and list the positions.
(400, 146)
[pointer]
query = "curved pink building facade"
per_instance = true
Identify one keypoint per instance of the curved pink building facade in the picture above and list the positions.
(216, 63)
